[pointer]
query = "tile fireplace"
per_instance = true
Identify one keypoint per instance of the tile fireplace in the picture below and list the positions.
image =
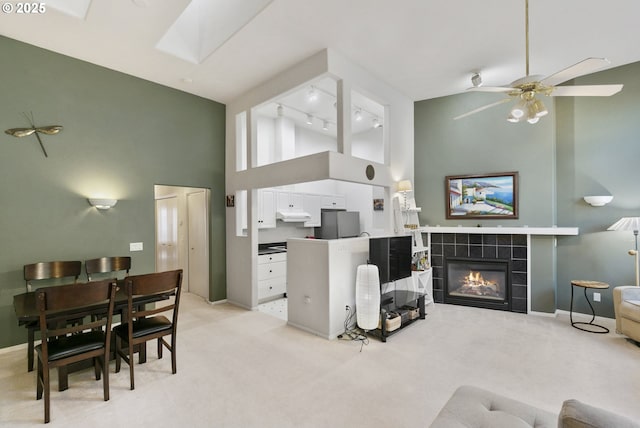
(496, 270)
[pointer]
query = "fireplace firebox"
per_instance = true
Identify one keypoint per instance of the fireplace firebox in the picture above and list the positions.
(477, 282)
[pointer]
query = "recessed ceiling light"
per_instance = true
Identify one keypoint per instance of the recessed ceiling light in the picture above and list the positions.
(140, 3)
(187, 80)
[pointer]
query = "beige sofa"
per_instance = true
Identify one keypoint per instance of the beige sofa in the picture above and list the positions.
(472, 407)
(626, 305)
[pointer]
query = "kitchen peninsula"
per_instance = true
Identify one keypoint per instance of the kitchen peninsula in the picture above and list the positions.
(321, 281)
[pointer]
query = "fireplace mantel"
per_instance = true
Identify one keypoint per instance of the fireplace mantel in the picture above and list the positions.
(511, 230)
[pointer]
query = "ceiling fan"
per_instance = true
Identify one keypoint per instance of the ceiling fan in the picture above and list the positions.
(526, 89)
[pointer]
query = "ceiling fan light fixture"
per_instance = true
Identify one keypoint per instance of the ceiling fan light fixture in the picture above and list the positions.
(518, 110)
(540, 108)
(511, 118)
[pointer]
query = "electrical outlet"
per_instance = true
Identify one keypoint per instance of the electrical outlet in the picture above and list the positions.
(596, 297)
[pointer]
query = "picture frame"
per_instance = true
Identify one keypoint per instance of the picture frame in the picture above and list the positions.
(378, 204)
(231, 201)
(482, 196)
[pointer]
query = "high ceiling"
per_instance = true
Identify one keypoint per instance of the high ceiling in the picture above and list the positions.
(423, 48)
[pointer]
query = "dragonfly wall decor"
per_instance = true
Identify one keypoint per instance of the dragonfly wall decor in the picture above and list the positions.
(34, 130)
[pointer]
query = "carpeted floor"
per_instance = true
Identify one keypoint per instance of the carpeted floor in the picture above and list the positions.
(239, 368)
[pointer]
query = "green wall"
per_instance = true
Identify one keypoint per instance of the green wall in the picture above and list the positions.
(122, 135)
(584, 146)
(598, 153)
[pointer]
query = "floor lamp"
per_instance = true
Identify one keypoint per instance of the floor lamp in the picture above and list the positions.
(630, 223)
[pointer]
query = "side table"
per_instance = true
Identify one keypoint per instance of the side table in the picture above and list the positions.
(585, 285)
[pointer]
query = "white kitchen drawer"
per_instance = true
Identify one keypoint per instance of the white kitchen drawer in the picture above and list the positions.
(275, 257)
(271, 287)
(272, 270)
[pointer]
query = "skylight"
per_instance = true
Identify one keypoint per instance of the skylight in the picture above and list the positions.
(205, 25)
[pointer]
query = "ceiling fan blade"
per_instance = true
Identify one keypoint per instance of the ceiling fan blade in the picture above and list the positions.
(586, 91)
(20, 132)
(492, 89)
(479, 109)
(586, 66)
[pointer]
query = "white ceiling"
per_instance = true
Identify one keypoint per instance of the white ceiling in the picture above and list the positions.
(424, 48)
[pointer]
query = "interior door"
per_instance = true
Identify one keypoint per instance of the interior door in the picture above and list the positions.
(167, 234)
(198, 242)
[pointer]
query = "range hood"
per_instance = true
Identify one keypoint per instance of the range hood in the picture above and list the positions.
(293, 216)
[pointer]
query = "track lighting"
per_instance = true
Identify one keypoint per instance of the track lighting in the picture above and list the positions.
(476, 80)
(376, 123)
(325, 125)
(358, 115)
(280, 110)
(309, 119)
(312, 96)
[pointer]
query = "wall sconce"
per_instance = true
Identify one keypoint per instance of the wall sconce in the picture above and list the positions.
(102, 204)
(598, 201)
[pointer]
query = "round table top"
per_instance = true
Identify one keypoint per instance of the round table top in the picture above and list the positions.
(589, 284)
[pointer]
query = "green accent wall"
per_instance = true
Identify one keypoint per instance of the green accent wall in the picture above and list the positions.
(586, 145)
(122, 135)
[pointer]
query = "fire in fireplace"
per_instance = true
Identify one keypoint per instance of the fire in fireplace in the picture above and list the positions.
(477, 282)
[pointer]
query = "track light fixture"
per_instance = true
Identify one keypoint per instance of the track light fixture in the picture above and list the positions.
(312, 96)
(376, 123)
(358, 115)
(309, 119)
(325, 125)
(476, 80)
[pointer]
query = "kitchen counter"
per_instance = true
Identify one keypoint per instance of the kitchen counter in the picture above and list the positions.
(321, 281)
(272, 248)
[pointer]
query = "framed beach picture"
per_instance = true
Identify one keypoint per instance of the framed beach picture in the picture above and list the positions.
(482, 196)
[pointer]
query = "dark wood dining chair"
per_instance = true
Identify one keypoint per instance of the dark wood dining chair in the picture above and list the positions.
(63, 272)
(63, 343)
(142, 325)
(107, 265)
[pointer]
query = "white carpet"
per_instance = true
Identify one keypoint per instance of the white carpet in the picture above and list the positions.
(239, 368)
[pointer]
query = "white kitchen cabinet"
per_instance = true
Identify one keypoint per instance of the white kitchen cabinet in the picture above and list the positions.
(334, 201)
(290, 202)
(312, 205)
(266, 208)
(272, 275)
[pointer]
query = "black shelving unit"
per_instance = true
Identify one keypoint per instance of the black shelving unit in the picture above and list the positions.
(391, 302)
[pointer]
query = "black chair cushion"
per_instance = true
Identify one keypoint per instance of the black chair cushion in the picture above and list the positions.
(75, 344)
(145, 326)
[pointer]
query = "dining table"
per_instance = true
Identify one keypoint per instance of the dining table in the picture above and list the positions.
(27, 314)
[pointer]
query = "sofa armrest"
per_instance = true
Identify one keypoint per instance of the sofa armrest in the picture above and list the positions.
(630, 293)
(575, 414)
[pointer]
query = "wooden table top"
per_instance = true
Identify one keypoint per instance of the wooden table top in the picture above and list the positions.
(26, 311)
(589, 284)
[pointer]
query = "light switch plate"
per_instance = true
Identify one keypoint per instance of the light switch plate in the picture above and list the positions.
(135, 246)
